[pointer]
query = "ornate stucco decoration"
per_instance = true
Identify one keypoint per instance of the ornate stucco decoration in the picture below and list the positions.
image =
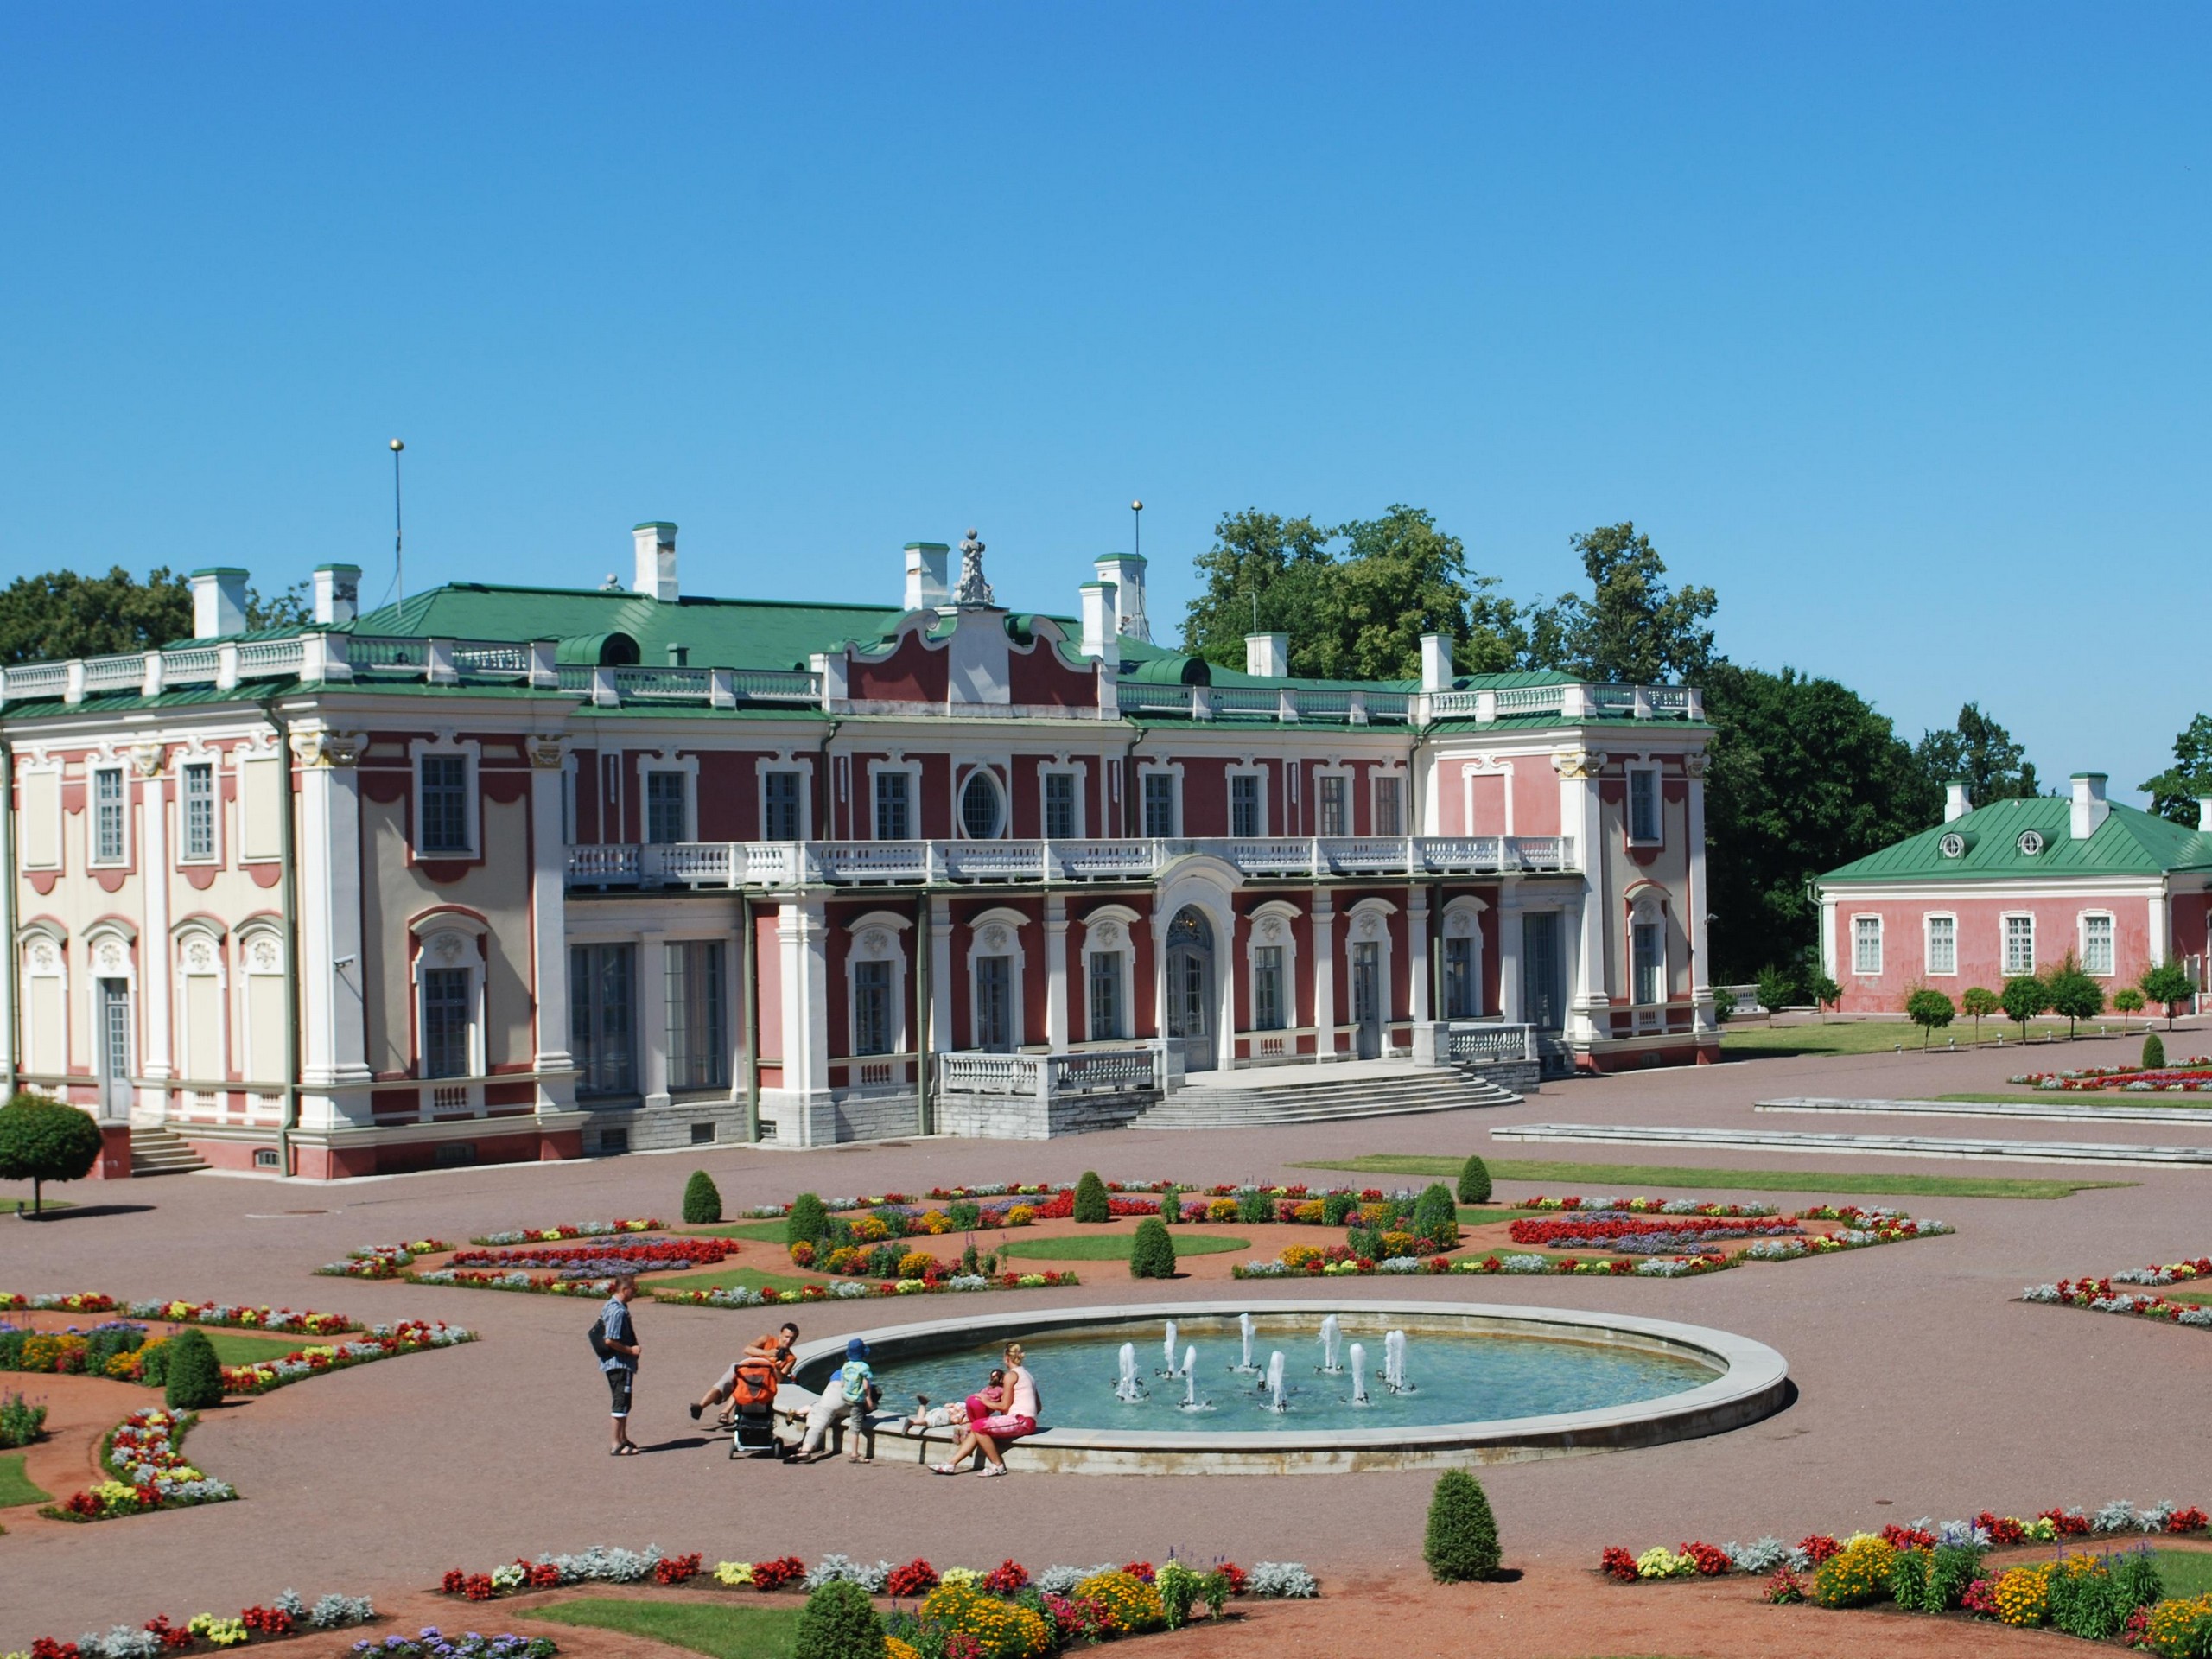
(973, 589)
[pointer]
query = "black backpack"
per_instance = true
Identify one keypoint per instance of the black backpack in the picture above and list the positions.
(599, 1347)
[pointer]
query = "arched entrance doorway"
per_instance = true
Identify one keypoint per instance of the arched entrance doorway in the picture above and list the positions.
(1190, 987)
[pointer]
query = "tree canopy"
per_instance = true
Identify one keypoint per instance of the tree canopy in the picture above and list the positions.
(2175, 791)
(1632, 630)
(1980, 753)
(62, 614)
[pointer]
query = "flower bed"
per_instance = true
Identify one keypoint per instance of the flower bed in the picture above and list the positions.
(1644, 1235)
(642, 1255)
(284, 1321)
(851, 1289)
(383, 1261)
(1646, 1206)
(146, 1449)
(2099, 1296)
(378, 1341)
(569, 1229)
(288, 1615)
(2192, 1076)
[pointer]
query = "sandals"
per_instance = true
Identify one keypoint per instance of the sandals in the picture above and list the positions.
(945, 1468)
(990, 1469)
(629, 1450)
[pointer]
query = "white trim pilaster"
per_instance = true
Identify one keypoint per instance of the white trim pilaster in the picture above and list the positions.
(1055, 974)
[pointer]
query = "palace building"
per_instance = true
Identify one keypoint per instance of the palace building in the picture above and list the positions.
(507, 873)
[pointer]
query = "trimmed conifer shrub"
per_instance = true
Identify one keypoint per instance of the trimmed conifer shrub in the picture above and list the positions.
(838, 1622)
(703, 1200)
(1090, 1203)
(1474, 1180)
(195, 1378)
(808, 1223)
(1171, 1207)
(1151, 1253)
(2154, 1052)
(1436, 1217)
(1462, 1542)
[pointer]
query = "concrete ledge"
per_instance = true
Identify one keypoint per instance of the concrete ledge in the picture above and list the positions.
(2201, 1115)
(1753, 1382)
(1876, 1146)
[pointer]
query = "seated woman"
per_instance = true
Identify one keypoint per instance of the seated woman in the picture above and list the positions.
(959, 1414)
(989, 1435)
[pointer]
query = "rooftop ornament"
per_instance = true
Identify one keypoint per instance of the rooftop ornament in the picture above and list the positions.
(973, 589)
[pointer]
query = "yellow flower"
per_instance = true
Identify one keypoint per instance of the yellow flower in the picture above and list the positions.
(734, 1572)
(2023, 1594)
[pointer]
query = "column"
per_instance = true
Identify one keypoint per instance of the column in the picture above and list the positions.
(1588, 1020)
(1510, 1006)
(801, 927)
(153, 959)
(2160, 943)
(1700, 901)
(1055, 974)
(11, 954)
(1325, 976)
(940, 947)
(548, 900)
(651, 1016)
(1828, 940)
(1418, 1004)
(334, 1031)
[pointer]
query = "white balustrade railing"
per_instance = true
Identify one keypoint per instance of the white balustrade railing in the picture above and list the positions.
(611, 862)
(1051, 1076)
(264, 659)
(1488, 1044)
(115, 673)
(972, 1073)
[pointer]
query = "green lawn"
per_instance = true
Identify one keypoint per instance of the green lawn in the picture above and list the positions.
(2180, 1293)
(2184, 1573)
(1472, 1217)
(726, 1279)
(14, 1489)
(2069, 1097)
(732, 1632)
(1871, 1037)
(236, 1348)
(8, 1206)
(1115, 1247)
(774, 1231)
(1625, 1179)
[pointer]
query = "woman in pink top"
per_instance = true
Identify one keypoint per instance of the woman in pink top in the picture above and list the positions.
(1017, 1418)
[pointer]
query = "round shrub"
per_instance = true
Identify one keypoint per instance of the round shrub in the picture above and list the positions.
(838, 1622)
(1462, 1542)
(1436, 1217)
(1090, 1201)
(1474, 1180)
(703, 1200)
(808, 1223)
(1171, 1206)
(195, 1379)
(2154, 1053)
(43, 1140)
(1151, 1253)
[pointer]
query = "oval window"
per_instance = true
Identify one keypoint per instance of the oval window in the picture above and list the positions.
(979, 806)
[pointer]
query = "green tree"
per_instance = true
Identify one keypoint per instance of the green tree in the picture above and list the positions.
(1929, 1009)
(1824, 991)
(1474, 1180)
(2072, 993)
(1151, 1252)
(1632, 630)
(1171, 1206)
(1980, 753)
(838, 1622)
(1777, 988)
(44, 1139)
(195, 1377)
(1263, 575)
(1804, 775)
(1091, 1204)
(1978, 1002)
(1436, 1217)
(62, 614)
(2023, 997)
(808, 1223)
(2126, 1002)
(1462, 1541)
(703, 1200)
(2168, 983)
(2175, 792)
(2154, 1052)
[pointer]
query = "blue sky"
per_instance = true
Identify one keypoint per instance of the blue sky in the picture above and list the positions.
(1888, 322)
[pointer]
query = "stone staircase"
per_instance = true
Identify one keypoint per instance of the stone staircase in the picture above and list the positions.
(158, 1151)
(1324, 1100)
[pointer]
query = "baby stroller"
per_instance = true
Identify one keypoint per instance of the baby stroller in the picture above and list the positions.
(752, 1411)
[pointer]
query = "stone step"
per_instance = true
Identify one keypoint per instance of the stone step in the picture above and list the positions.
(161, 1151)
(1221, 1108)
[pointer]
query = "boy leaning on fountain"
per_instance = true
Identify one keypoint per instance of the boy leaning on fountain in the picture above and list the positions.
(850, 1393)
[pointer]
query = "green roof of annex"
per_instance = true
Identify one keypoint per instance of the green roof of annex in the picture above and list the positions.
(2129, 842)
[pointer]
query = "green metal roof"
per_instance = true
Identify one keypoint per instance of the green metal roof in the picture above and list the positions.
(2130, 841)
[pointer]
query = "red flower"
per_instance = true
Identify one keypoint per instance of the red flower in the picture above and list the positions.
(1237, 1577)
(1819, 1547)
(774, 1575)
(544, 1575)
(1712, 1560)
(1139, 1570)
(676, 1569)
(477, 1586)
(917, 1577)
(2189, 1520)
(1005, 1578)
(1617, 1562)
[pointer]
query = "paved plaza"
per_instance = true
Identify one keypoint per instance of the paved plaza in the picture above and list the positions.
(1923, 1386)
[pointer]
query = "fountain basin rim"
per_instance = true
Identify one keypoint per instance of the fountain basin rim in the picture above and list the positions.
(1753, 1382)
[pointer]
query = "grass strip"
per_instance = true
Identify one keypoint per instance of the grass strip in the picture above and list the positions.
(2183, 1572)
(235, 1348)
(1112, 1247)
(16, 1487)
(1627, 1177)
(776, 1230)
(729, 1278)
(1880, 1037)
(10, 1207)
(732, 1632)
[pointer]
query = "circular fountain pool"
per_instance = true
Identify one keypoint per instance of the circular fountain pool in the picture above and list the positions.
(1466, 1383)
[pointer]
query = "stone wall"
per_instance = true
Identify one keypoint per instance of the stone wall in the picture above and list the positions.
(1023, 1117)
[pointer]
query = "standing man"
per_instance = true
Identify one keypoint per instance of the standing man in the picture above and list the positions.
(619, 1340)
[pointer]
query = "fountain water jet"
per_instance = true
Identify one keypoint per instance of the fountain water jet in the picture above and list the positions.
(1129, 1390)
(1191, 1400)
(1332, 1339)
(1168, 1347)
(1275, 1381)
(1245, 1367)
(1394, 1363)
(1359, 1375)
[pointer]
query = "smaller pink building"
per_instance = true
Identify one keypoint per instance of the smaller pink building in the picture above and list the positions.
(2009, 888)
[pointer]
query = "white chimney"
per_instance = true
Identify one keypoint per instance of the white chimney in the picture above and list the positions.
(337, 595)
(1126, 572)
(1956, 802)
(2090, 807)
(1436, 662)
(218, 602)
(925, 566)
(1101, 621)
(2204, 813)
(655, 571)
(1268, 655)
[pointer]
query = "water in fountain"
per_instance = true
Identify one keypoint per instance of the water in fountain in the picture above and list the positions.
(1128, 1390)
(1394, 1363)
(1169, 1347)
(1275, 1381)
(1331, 1335)
(1191, 1400)
(1358, 1374)
(1245, 1367)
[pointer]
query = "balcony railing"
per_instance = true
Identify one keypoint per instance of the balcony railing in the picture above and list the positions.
(1571, 702)
(918, 863)
(1052, 1076)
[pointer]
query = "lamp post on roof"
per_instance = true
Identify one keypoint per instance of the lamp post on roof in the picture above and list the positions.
(398, 561)
(973, 589)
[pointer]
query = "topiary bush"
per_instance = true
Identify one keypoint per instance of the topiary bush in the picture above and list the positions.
(1436, 1217)
(195, 1378)
(44, 1139)
(1151, 1253)
(2154, 1052)
(1090, 1201)
(703, 1200)
(1462, 1542)
(808, 1223)
(1474, 1180)
(838, 1622)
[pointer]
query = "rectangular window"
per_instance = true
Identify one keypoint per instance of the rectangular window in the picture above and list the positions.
(1059, 807)
(446, 1021)
(1942, 945)
(200, 809)
(1159, 805)
(2019, 945)
(1333, 819)
(1389, 807)
(1866, 945)
(872, 1011)
(1461, 1001)
(107, 816)
(1648, 954)
(779, 809)
(1267, 989)
(698, 1019)
(894, 812)
(445, 804)
(1106, 997)
(1643, 804)
(668, 804)
(2096, 944)
(1543, 977)
(1244, 805)
(600, 1018)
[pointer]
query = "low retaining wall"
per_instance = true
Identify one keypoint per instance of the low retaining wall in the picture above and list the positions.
(1024, 1117)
